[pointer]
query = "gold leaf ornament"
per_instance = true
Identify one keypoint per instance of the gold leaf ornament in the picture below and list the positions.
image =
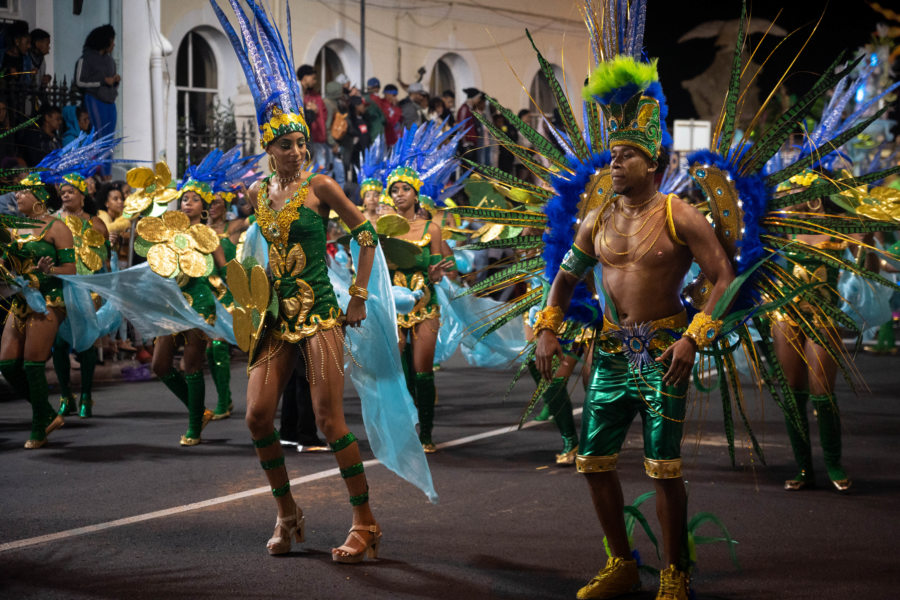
(252, 293)
(153, 192)
(177, 246)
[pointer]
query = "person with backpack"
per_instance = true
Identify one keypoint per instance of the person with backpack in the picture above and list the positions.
(336, 126)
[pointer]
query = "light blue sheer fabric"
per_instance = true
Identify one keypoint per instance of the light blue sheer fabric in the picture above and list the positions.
(33, 297)
(255, 245)
(152, 304)
(80, 328)
(465, 317)
(387, 408)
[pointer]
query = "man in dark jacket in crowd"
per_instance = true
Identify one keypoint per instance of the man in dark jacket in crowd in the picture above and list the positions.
(414, 106)
(38, 140)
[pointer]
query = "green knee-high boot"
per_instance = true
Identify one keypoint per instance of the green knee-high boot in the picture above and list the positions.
(174, 380)
(197, 419)
(425, 404)
(545, 413)
(556, 397)
(801, 446)
(886, 338)
(88, 360)
(218, 355)
(63, 376)
(43, 417)
(408, 371)
(14, 374)
(829, 418)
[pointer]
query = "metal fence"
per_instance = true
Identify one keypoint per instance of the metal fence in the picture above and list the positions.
(194, 142)
(23, 95)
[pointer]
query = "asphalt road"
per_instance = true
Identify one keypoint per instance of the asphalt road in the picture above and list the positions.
(114, 508)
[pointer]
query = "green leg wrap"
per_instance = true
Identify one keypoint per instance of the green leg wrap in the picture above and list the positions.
(88, 360)
(14, 374)
(281, 490)
(800, 439)
(342, 442)
(174, 380)
(268, 440)
(196, 391)
(360, 499)
(353, 470)
(218, 356)
(41, 411)
(425, 404)
(829, 418)
(268, 465)
(556, 398)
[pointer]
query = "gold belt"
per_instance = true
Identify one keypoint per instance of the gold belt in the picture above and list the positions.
(661, 340)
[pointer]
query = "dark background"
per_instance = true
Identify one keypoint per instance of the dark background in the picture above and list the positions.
(846, 24)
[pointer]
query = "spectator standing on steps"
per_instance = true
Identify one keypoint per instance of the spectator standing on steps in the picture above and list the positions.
(95, 75)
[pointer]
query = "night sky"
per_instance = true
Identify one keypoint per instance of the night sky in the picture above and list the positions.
(847, 24)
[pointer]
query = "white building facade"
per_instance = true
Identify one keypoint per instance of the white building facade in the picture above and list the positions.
(177, 64)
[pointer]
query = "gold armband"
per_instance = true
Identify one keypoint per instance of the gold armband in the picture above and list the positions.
(703, 330)
(550, 318)
(359, 292)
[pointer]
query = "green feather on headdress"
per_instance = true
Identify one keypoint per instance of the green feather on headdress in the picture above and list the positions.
(631, 103)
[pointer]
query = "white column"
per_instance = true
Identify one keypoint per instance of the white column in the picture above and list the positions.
(143, 90)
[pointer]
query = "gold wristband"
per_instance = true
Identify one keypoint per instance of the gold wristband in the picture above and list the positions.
(550, 318)
(703, 330)
(359, 292)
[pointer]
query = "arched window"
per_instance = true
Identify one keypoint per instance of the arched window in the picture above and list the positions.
(328, 66)
(542, 94)
(196, 84)
(441, 78)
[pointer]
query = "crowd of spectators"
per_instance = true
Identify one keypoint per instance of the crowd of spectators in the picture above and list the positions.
(24, 98)
(347, 119)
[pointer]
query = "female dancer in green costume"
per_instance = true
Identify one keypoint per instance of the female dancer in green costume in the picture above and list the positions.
(809, 367)
(218, 353)
(92, 239)
(419, 328)
(37, 254)
(188, 386)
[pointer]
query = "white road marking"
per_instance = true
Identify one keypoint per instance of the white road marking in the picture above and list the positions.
(175, 510)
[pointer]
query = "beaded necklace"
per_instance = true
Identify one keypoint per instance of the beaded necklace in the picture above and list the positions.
(276, 224)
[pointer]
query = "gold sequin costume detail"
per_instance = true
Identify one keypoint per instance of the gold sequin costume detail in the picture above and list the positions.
(296, 235)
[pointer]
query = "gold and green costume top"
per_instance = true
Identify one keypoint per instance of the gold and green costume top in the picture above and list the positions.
(91, 249)
(297, 237)
(176, 249)
(807, 268)
(30, 249)
(415, 278)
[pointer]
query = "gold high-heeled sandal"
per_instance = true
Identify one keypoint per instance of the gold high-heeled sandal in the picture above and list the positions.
(369, 548)
(287, 527)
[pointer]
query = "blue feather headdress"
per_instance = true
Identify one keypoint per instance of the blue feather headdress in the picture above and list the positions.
(72, 163)
(269, 69)
(218, 172)
(424, 157)
(371, 167)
